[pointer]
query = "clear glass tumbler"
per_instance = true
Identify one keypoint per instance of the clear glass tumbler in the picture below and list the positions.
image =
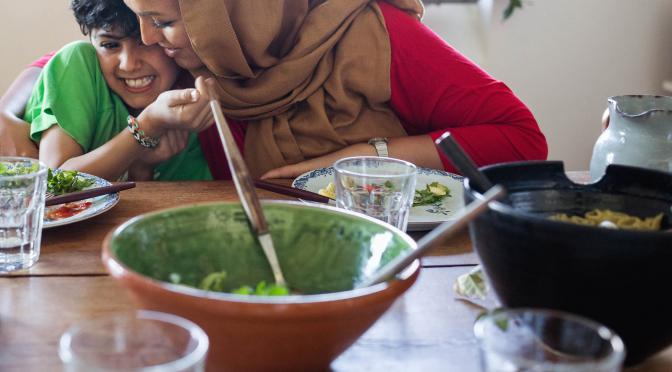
(23, 185)
(144, 341)
(379, 187)
(546, 340)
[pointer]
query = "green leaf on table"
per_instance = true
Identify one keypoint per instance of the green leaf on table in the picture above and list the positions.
(472, 284)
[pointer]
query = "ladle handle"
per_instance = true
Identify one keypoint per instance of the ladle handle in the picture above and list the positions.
(241, 176)
(443, 231)
(463, 163)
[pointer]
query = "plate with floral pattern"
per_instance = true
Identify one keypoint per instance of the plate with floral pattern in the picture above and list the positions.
(65, 214)
(421, 218)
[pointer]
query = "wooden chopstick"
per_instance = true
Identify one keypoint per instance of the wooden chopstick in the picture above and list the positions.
(90, 193)
(291, 191)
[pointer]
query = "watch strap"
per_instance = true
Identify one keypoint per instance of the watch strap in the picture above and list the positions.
(380, 144)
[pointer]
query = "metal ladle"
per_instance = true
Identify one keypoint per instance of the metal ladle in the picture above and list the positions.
(443, 231)
(447, 229)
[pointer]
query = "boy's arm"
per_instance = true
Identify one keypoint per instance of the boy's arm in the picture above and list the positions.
(110, 161)
(14, 132)
(66, 134)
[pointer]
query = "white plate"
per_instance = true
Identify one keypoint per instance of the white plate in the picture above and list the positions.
(422, 218)
(99, 204)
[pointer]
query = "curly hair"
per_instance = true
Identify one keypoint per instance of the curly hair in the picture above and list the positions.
(106, 15)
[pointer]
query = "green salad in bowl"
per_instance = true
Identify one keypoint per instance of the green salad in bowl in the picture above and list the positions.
(203, 262)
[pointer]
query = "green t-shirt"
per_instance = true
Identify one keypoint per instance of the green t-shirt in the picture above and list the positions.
(72, 93)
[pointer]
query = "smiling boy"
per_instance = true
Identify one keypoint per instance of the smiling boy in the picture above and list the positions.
(83, 102)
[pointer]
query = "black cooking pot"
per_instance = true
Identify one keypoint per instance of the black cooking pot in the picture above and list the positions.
(620, 278)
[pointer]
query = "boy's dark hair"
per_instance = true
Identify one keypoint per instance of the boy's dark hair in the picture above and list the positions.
(106, 15)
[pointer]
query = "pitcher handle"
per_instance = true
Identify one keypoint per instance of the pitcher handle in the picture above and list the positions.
(605, 119)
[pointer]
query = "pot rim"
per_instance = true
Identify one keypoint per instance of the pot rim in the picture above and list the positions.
(502, 208)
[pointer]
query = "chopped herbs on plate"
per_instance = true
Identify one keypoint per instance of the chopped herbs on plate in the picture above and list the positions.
(61, 182)
(58, 182)
(17, 169)
(432, 193)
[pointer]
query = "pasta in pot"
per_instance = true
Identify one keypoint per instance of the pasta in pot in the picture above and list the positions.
(621, 220)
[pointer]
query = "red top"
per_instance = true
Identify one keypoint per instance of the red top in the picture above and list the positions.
(42, 61)
(434, 89)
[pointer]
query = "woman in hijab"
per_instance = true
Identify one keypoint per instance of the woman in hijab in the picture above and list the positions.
(307, 82)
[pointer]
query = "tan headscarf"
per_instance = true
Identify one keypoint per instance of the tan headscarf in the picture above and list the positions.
(309, 76)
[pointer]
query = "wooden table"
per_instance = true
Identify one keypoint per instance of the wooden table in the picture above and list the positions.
(426, 330)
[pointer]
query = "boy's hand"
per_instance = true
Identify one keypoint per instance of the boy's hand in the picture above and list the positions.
(172, 143)
(15, 138)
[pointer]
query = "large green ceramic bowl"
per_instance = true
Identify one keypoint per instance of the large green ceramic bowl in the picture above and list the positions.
(324, 253)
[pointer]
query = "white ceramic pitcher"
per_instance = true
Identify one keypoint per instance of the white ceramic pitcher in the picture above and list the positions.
(639, 134)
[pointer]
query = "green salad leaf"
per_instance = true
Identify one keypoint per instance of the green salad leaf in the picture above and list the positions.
(432, 193)
(216, 282)
(263, 289)
(63, 181)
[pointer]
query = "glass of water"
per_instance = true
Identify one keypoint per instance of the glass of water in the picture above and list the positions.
(23, 185)
(379, 187)
(546, 341)
(142, 341)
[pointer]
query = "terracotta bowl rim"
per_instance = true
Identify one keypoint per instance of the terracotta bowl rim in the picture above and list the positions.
(118, 269)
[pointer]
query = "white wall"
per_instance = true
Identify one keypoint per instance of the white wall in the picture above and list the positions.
(565, 57)
(31, 28)
(562, 57)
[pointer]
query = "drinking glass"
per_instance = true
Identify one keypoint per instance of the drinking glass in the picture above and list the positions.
(546, 340)
(23, 185)
(144, 341)
(379, 187)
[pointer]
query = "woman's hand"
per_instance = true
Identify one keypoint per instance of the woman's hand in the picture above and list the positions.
(15, 137)
(186, 109)
(294, 170)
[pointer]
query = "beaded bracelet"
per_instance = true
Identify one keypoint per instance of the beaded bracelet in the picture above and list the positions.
(139, 135)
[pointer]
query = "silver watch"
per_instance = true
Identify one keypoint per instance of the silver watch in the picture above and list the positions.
(380, 143)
